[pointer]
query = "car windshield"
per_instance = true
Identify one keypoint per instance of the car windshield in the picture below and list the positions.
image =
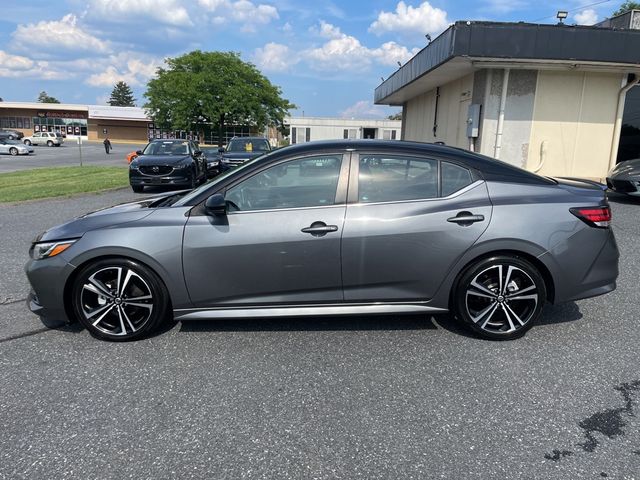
(171, 147)
(248, 145)
(238, 170)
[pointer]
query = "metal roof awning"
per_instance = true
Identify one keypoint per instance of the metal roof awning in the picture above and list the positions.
(467, 46)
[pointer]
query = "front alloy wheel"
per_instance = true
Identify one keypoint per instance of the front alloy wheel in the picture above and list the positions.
(13, 151)
(119, 299)
(500, 297)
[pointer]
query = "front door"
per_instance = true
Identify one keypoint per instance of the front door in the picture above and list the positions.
(412, 219)
(279, 243)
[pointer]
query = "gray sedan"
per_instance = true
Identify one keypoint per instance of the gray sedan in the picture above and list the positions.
(335, 228)
(13, 147)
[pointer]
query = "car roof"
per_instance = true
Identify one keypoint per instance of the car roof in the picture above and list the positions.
(249, 138)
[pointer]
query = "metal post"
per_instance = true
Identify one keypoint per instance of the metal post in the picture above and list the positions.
(80, 149)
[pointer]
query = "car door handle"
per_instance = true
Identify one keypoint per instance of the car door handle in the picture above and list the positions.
(466, 218)
(319, 229)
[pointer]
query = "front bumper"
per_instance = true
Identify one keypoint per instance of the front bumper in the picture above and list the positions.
(140, 179)
(48, 278)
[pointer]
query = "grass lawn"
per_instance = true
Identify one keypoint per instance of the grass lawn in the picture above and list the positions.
(59, 182)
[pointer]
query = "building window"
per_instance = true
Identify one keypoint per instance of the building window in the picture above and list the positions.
(300, 135)
(350, 133)
(389, 134)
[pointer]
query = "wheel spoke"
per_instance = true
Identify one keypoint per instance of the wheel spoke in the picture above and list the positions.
(520, 292)
(500, 290)
(508, 310)
(479, 294)
(489, 316)
(482, 289)
(93, 289)
(103, 315)
(533, 296)
(98, 310)
(512, 327)
(128, 275)
(137, 299)
(126, 317)
(100, 286)
(506, 281)
(119, 277)
(489, 310)
(122, 327)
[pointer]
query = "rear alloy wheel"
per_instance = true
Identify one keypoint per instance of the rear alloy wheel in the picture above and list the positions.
(49, 143)
(119, 300)
(13, 151)
(27, 142)
(500, 298)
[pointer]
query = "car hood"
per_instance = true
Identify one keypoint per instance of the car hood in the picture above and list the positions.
(626, 169)
(104, 218)
(169, 160)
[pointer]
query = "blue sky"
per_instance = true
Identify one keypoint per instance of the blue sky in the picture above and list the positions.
(327, 56)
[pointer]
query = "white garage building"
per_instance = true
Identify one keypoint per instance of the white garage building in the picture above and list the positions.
(548, 98)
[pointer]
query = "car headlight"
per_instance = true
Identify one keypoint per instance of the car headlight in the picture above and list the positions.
(42, 250)
(133, 165)
(213, 163)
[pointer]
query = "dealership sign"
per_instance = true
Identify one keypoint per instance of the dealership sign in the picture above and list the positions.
(78, 115)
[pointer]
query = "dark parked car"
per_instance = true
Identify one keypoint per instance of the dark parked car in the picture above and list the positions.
(212, 156)
(242, 149)
(171, 163)
(625, 178)
(11, 134)
(335, 228)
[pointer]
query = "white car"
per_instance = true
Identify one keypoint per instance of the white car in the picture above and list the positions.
(13, 147)
(44, 138)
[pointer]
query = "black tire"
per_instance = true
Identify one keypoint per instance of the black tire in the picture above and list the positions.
(137, 188)
(105, 316)
(11, 137)
(193, 183)
(49, 143)
(27, 142)
(13, 151)
(497, 314)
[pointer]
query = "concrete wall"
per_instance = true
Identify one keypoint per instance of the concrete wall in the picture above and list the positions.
(118, 130)
(521, 93)
(453, 104)
(573, 123)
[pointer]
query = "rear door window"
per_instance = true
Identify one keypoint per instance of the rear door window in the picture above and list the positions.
(454, 178)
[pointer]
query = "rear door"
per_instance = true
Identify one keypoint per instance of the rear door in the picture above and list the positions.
(279, 243)
(408, 221)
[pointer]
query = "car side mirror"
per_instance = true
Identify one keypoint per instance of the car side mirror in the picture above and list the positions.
(216, 205)
(138, 152)
(221, 150)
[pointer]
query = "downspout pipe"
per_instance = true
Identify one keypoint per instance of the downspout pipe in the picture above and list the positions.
(503, 103)
(617, 128)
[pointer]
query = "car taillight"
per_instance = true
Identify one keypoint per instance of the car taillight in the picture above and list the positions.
(593, 216)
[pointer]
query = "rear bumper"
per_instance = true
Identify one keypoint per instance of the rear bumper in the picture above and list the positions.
(583, 268)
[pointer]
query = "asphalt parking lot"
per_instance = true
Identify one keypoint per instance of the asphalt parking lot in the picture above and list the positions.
(378, 397)
(68, 155)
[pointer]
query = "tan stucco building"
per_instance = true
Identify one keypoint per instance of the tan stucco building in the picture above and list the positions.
(548, 98)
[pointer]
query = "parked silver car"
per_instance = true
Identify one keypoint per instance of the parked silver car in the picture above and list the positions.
(335, 228)
(49, 139)
(14, 147)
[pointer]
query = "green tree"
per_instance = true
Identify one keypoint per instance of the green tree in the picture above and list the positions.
(45, 98)
(122, 95)
(395, 116)
(217, 88)
(626, 6)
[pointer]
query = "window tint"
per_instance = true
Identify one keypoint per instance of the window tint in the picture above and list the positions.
(454, 178)
(385, 179)
(307, 182)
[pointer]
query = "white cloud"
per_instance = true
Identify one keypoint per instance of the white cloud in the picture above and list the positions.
(344, 51)
(586, 17)
(249, 14)
(58, 34)
(126, 67)
(411, 20)
(16, 66)
(169, 12)
(273, 57)
(326, 30)
(365, 109)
